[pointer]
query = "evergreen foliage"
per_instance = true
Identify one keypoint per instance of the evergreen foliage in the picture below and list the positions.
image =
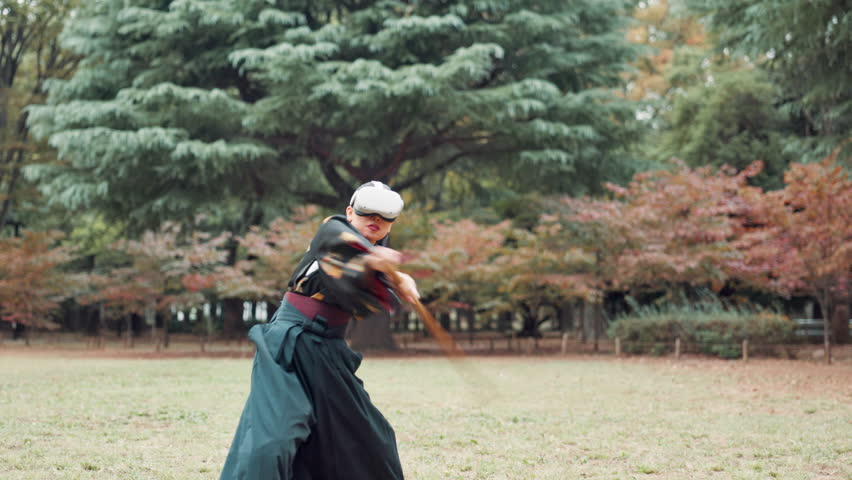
(805, 45)
(723, 113)
(244, 105)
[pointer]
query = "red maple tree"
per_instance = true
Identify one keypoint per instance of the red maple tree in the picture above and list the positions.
(31, 281)
(804, 243)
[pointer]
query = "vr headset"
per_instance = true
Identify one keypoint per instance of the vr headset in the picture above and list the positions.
(376, 198)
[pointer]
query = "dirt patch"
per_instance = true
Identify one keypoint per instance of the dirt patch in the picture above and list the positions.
(798, 378)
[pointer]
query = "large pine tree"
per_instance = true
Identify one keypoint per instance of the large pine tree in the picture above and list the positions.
(240, 105)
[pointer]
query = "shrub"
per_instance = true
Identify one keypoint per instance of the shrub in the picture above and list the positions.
(711, 328)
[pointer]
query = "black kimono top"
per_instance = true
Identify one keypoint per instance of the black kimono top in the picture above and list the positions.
(334, 271)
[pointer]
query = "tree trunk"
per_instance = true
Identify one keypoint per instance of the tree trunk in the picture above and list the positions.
(841, 314)
(827, 310)
(566, 316)
(598, 325)
(151, 317)
(101, 326)
(10, 188)
(167, 317)
(208, 329)
(529, 316)
(444, 320)
(232, 321)
(372, 333)
(128, 334)
(841, 323)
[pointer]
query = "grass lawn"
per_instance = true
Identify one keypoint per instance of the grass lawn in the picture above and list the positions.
(75, 416)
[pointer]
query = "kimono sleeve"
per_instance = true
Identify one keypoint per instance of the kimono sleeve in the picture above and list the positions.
(340, 254)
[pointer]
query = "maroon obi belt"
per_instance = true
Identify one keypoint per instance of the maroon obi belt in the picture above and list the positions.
(313, 308)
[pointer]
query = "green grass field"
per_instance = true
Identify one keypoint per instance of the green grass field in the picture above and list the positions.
(80, 417)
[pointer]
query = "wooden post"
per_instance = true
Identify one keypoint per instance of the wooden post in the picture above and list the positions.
(745, 350)
(564, 343)
(677, 348)
(617, 346)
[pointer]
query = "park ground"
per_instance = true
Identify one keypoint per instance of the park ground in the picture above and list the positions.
(104, 414)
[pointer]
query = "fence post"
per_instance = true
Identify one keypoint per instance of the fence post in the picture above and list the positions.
(564, 343)
(745, 350)
(677, 348)
(617, 346)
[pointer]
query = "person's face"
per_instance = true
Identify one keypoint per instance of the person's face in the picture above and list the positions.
(373, 227)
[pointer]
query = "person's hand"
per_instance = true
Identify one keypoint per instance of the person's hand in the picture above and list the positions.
(383, 259)
(387, 260)
(407, 288)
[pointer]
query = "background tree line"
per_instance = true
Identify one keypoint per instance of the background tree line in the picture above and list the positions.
(141, 129)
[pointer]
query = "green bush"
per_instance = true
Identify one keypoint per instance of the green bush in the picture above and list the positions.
(711, 329)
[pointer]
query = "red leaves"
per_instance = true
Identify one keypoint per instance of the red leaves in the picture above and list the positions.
(668, 228)
(664, 229)
(453, 265)
(807, 237)
(31, 284)
(497, 266)
(162, 269)
(195, 282)
(702, 228)
(273, 254)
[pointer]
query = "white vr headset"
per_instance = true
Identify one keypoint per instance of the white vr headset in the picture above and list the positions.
(376, 198)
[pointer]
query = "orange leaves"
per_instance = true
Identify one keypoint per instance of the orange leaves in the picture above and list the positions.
(31, 283)
(195, 282)
(497, 266)
(273, 254)
(704, 228)
(161, 269)
(455, 263)
(809, 245)
(667, 228)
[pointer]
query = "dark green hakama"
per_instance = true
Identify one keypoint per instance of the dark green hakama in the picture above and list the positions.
(308, 416)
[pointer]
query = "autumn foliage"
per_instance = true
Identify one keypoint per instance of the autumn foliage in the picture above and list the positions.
(665, 232)
(805, 243)
(453, 266)
(270, 256)
(31, 281)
